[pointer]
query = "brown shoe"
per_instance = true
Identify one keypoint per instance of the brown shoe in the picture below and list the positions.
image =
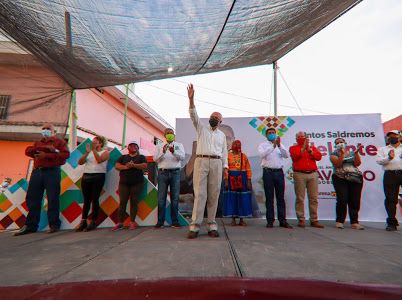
(192, 234)
(213, 233)
(53, 229)
(301, 224)
(316, 224)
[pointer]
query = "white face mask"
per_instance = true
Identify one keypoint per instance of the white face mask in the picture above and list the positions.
(46, 132)
(340, 146)
(5, 184)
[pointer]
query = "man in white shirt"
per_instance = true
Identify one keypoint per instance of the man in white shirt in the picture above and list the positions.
(390, 157)
(169, 157)
(210, 161)
(272, 154)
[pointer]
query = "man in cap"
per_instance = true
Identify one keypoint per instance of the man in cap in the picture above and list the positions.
(390, 157)
(169, 156)
(131, 167)
(210, 161)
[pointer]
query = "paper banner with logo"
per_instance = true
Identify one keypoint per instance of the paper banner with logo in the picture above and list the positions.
(357, 129)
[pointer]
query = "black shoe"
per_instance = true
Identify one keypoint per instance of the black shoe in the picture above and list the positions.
(24, 230)
(53, 229)
(391, 228)
(176, 225)
(158, 225)
(91, 226)
(192, 234)
(82, 226)
(270, 225)
(213, 233)
(286, 225)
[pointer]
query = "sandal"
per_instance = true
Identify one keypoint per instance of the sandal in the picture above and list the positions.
(242, 223)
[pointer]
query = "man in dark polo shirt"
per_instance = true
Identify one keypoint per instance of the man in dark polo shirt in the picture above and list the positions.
(49, 153)
(305, 176)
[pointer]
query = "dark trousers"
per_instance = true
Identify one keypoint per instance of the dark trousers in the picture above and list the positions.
(132, 192)
(348, 195)
(274, 181)
(168, 178)
(392, 181)
(44, 179)
(91, 186)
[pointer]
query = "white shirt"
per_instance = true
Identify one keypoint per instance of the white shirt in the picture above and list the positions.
(92, 166)
(209, 142)
(169, 160)
(390, 164)
(272, 157)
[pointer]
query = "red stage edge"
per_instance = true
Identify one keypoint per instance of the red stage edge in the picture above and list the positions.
(203, 288)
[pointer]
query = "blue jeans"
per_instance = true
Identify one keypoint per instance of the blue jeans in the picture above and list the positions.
(43, 179)
(168, 178)
(274, 182)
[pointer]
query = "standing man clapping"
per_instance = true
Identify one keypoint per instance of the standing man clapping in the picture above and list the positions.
(390, 157)
(273, 154)
(304, 156)
(169, 156)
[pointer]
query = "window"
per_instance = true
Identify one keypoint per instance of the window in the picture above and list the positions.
(4, 103)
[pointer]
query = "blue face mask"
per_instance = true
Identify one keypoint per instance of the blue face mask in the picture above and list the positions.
(46, 132)
(271, 137)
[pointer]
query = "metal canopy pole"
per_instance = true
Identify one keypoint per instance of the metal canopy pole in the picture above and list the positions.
(123, 139)
(275, 68)
(67, 22)
(72, 139)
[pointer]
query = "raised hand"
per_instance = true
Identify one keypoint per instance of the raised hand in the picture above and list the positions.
(190, 91)
(88, 148)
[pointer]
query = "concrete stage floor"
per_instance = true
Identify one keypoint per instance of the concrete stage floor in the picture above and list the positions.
(369, 256)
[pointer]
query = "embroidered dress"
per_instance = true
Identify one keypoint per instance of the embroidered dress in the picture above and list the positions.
(237, 198)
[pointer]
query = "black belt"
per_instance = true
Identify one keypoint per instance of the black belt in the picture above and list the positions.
(209, 156)
(272, 169)
(162, 170)
(305, 172)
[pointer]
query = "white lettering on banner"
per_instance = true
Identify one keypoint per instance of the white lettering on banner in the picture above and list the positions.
(357, 130)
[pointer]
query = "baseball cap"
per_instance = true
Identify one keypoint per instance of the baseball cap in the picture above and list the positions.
(133, 142)
(393, 131)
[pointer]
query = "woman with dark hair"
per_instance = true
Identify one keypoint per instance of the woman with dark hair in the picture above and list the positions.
(237, 194)
(348, 183)
(95, 160)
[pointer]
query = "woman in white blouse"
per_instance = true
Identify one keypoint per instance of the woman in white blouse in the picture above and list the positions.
(95, 160)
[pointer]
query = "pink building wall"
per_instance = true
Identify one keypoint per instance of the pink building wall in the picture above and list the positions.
(104, 114)
(37, 94)
(97, 112)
